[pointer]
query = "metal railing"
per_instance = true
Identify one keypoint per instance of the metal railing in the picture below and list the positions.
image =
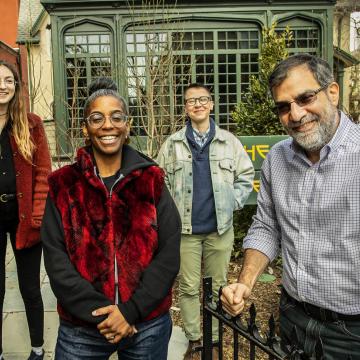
(268, 343)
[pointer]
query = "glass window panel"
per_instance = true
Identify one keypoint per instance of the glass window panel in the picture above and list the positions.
(254, 44)
(69, 49)
(221, 45)
(232, 45)
(209, 36)
(232, 68)
(301, 34)
(244, 44)
(244, 35)
(140, 47)
(231, 58)
(94, 48)
(244, 68)
(105, 49)
(81, 39)
(232, 35)
(244, 78)
(140, 38)
(69, 40)
(254, 35)
(81, 48)
(105, 39)
(301, 43)
(209, 45)
(198, 36)
(222, 35)
(253, 57)
(244, 58)
(198, 45)
(93, 39)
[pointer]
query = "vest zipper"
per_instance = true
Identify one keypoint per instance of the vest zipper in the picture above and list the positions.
(116, 274)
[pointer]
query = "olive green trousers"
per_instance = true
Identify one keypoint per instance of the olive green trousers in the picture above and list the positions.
(213, 251)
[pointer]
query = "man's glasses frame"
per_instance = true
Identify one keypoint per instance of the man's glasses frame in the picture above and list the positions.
(97, 119)
(203, 100)
(284, 107)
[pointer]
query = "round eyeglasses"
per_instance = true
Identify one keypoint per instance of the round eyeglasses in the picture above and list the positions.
(203, 100)
(96, 120)
(8, 82)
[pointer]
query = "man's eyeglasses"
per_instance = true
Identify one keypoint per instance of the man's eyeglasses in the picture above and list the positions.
(203, 100)
(307, 98)
(8, 81)
(96, 120)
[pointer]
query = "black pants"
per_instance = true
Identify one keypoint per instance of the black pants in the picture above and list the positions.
(28, 270)
(340, 339)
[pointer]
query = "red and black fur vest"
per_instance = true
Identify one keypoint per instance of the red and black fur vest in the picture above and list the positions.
(99, 227)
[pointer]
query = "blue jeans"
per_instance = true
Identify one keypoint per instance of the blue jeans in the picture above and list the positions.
(340, 339)
(81, 343)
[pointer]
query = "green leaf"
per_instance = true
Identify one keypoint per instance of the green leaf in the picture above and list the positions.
(266, 278)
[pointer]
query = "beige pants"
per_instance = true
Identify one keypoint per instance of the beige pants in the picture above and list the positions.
(215, 250)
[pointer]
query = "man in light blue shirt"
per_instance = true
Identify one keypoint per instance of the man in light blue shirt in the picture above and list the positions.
(309, 208)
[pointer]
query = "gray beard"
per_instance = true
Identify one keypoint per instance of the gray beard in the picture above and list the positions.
(316, 140)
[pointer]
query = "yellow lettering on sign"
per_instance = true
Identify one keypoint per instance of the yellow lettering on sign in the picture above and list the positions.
(256, 185)
(251, 151)
(262, 150)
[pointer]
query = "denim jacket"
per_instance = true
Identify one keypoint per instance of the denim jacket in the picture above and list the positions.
(232, 174)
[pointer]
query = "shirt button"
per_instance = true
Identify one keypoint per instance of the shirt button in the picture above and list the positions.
(188, 230)
(22, 216)
(17, 173)
(4, 173)
(189, 156)
(20, 195)
(187, 210)
(189, 191)
(190, 174)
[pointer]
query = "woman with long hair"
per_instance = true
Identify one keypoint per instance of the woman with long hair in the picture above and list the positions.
(24, 167)
(111, 235)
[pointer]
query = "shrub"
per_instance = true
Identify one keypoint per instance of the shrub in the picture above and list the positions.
(254, 115)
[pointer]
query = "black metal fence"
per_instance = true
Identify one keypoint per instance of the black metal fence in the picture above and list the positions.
(268, 343)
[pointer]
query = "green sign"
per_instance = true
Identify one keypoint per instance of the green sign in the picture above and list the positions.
(257, 148)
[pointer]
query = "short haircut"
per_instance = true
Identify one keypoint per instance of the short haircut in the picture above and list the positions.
(320, 69)
(103, 86)
(196, 86)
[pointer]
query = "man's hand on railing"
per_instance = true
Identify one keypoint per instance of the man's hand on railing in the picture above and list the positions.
(233, 298)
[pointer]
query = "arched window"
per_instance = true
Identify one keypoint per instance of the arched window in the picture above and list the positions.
(306, 35)
(87, 56)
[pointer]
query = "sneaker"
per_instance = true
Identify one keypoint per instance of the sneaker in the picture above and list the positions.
(191, 351)
(33, 356)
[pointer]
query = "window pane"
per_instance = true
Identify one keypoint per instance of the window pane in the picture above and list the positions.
(195, 57)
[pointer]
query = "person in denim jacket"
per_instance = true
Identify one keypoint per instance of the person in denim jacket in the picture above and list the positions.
(209, 175)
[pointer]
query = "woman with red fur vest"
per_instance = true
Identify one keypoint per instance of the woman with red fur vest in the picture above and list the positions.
(111, 234)
(25, 164)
